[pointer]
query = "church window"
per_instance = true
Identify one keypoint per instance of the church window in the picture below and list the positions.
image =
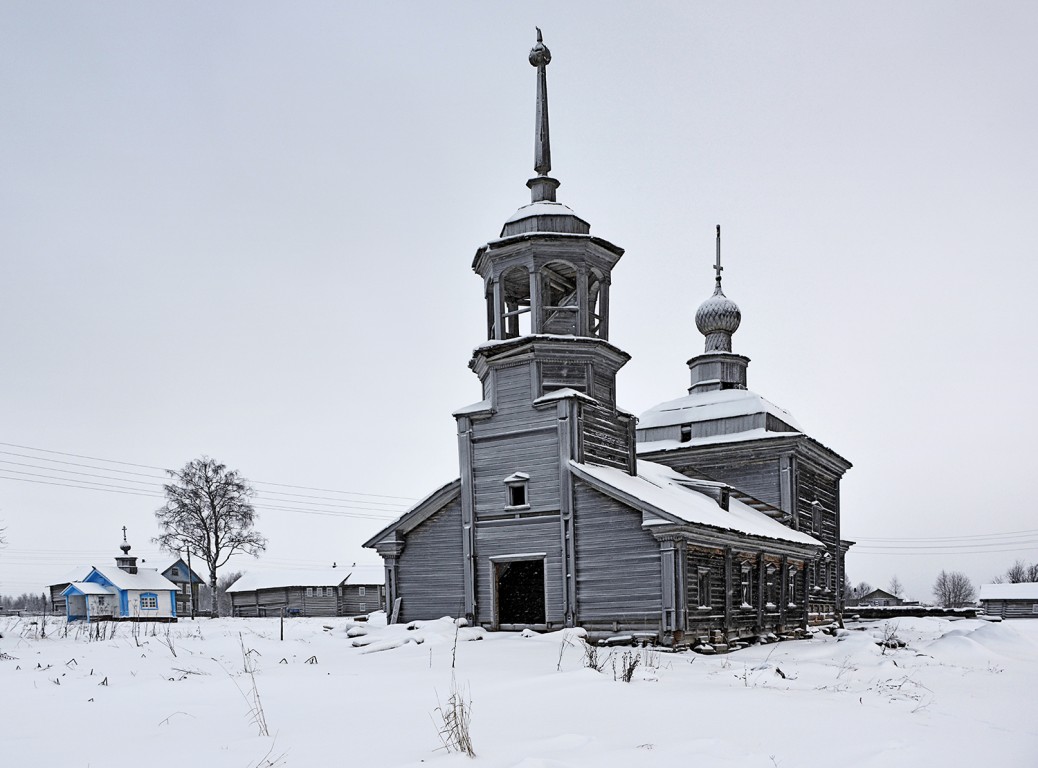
(516, 488)
(770, 596)
(746, 583)
(816, 517)
(703, 587)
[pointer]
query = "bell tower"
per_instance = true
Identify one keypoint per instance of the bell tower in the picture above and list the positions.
(547, 277)
(548, 374)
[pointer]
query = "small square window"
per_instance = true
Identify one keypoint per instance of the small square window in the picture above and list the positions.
(517, 496)
(309, 591)
(149, 602)
(362, 606)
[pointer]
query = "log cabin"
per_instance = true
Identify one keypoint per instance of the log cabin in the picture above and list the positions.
(722, 527)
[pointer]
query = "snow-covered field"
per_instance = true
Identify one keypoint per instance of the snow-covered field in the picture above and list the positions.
(961, 693)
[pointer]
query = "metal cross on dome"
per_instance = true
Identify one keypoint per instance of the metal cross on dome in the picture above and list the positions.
(717, 264)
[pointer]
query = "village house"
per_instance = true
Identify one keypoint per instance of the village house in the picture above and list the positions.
(187, 583)
(123, 592)
(349, 591)
(1010, 601)
(722, 526)
(880, 598)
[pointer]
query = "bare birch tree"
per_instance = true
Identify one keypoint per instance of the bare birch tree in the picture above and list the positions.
(897, 589)
(209, 511)
(954, 589)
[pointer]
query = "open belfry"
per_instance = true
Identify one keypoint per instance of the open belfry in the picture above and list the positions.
(710, 521)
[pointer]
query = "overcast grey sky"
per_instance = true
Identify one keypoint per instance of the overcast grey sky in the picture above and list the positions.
(245, 230)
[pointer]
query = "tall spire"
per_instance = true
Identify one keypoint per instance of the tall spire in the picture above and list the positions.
(542, 186)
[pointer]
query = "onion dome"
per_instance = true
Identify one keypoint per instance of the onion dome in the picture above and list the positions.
(718, 318)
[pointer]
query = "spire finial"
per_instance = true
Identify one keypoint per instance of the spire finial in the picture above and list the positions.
(540, 56)
(124, 533)
(717, 264)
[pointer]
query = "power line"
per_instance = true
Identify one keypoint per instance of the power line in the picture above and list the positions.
(165, 470)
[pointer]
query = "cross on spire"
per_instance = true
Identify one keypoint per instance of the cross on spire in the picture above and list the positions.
(124, 533)
(717, 264)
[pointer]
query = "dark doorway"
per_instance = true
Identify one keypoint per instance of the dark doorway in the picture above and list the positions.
(520, 592)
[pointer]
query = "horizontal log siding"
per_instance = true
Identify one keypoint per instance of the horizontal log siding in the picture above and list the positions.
(617, 565)
(605, 437)
(1012, 609)
(605, 387)
(535, 453)
(812, 486)
(700, 620)
(510, 537)
(556, 375)
(513, 388)
(312, 605)
(430, 575)
(351, 601)
(759, 479)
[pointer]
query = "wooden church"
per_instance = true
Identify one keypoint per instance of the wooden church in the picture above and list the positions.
(710, 520)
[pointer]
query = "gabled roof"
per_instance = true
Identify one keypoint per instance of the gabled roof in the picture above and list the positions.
(672, 497)
(302, 577)
(87, 588)
(367, 575)
(195, 578)
(879, 594)
(1027, 590)
(420, 512)
(145, 578)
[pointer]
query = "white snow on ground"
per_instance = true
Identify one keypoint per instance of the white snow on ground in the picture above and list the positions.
(337, 692)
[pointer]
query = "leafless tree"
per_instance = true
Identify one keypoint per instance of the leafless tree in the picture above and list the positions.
(861, 589)
(897, 589)
(953, 590)
(209, 511)
(1019, 572)
(223, 600)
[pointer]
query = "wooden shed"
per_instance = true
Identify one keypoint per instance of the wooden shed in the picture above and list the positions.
(1010, 601)
(345, 591)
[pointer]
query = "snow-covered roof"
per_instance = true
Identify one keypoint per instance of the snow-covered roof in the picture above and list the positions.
(87, 588)
(1027, 590)
(709, 406)
(302, 577)
(542, 208)
(73, 574)
(480, 407)
(145, 578)
(673, 494)
(367, 574)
